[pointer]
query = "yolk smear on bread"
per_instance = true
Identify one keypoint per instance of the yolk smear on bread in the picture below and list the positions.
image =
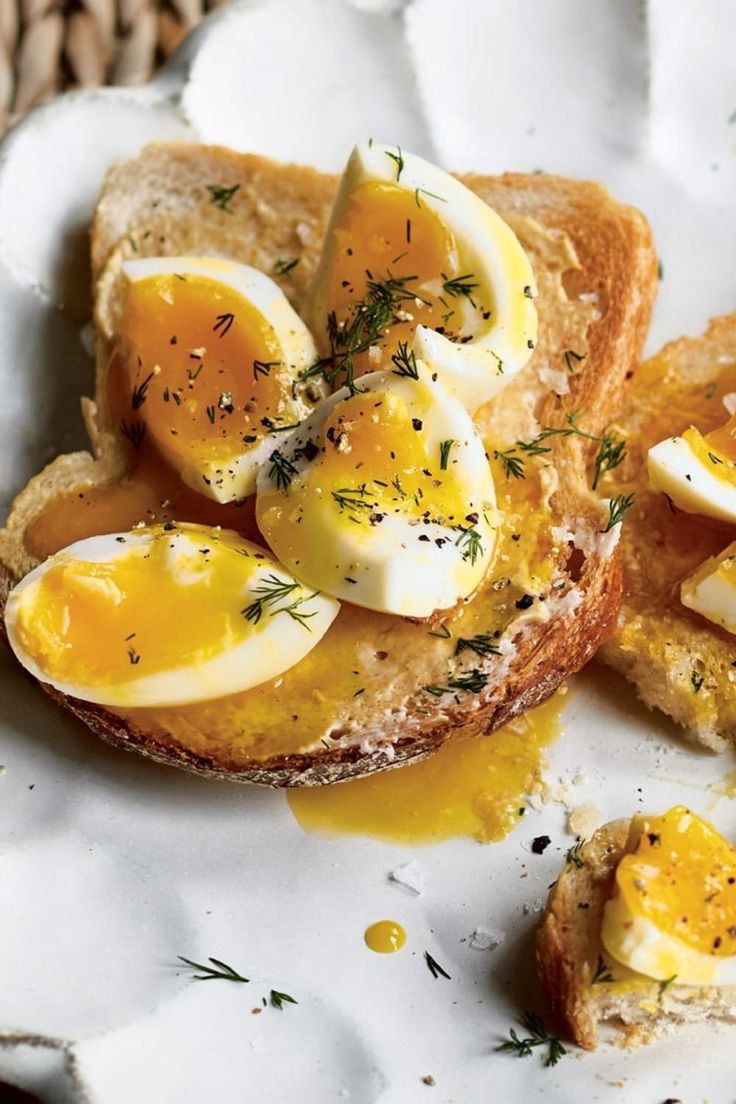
(470, 787)
(387, 236)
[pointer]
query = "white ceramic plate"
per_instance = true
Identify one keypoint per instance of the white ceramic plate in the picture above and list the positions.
(111, 866)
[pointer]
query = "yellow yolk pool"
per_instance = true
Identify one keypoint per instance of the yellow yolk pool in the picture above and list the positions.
(389, 236)
(385, 937)
(470, 787)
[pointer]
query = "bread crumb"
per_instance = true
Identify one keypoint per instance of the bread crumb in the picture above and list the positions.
(584, 819)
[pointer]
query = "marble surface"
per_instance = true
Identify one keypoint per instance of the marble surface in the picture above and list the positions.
(111, 866)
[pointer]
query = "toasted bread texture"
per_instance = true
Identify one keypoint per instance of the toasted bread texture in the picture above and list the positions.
(358, 702)
(678, 661)
(581, 988)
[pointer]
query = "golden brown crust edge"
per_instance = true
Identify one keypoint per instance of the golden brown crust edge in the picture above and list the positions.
(569, 937)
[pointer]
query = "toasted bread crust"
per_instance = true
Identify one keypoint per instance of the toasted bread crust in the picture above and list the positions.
(284, 210)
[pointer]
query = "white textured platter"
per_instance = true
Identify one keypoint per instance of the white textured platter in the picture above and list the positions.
(110, 866)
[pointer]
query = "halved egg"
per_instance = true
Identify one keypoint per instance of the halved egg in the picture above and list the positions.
(411, 255)
(673, 911)
(711, 590)
(698, 472)
(162, 616)
(213, 352)
(383, 497)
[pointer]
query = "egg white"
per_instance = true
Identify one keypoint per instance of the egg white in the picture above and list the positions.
(711, 590)
(277, 643)
(235, 478)
(475, 371)
(693, 486)
(386, 567)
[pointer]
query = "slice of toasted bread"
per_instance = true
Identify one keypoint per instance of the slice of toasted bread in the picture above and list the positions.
(678, 661)
(358, 702)
(581, 987)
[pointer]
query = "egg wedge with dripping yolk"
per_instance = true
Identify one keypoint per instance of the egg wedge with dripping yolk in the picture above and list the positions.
(412, 255)
(384, 497)
(164, 615)
(212, 352)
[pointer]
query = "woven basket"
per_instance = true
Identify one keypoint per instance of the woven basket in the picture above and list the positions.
(50, 45)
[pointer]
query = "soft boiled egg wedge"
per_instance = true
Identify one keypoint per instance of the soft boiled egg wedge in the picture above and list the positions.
(162, 616)
(698, 472)
(711, 590)
(673, 910)
(213, 352)
(412, 255)
(384, 496)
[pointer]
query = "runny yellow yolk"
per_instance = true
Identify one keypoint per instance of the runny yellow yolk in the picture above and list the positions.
(102, 623)
(375, 463)
(470, 787)
(716, 451)
(682, 878)
(387, 233)
(202, 367)
(385, 936)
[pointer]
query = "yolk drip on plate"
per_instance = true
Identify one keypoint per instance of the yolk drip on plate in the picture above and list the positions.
(385, 936)
(470, 787)
(389, 237)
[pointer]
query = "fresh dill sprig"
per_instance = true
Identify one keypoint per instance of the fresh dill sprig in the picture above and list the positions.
(618, 508)
(474, 681)
(432, 195)
(271, 591)
(135, 432)
(460, 286)
(283, 268)
(443, 633)
(263, 367)
(472, 543)
(602, 973)
(445, 447)
(366, 326)
(352, 498)
(218, 969)
(279, 999)
(222, 196)
(697, 680)
(398, 160)
(405, 361)
(140, 392)
(211, 414)
(538, 1036)
(610, 454)
(396, 484)
(434, 967)
(282, 471)
(571, 355)
(512, 464)
(664, 985)
(223, 323)
(482, 644)
(574, 854)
